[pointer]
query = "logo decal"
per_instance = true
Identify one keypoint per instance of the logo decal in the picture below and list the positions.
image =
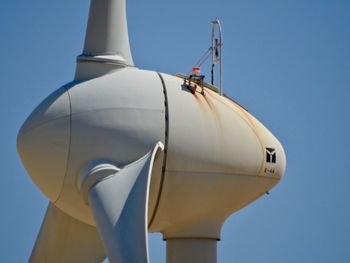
(270, 155)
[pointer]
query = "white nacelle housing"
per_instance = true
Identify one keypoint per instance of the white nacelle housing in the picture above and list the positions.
(214, 162)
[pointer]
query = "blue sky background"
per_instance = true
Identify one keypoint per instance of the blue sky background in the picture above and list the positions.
(288, 62)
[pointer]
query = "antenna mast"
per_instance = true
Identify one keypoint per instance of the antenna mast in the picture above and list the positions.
(216, 51)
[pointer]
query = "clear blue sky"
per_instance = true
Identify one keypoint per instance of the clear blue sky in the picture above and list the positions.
(287, 61)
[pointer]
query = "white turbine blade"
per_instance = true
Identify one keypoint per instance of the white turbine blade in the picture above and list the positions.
(119, 204)
(107, 32)
(106, 45)
(66, 240)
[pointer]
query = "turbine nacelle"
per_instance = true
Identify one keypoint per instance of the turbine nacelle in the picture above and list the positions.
(129, 151)
(216, 152)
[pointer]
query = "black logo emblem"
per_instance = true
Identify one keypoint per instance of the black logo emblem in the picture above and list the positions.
(270, 155)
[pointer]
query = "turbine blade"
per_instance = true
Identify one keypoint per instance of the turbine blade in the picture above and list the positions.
(65, 239)
(107, 31)
(106, 45)
(119, 204)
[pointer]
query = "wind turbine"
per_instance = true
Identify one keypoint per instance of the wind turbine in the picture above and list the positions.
(121, 151)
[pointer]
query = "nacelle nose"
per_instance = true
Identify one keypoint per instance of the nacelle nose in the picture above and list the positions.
(274, 157)
(275, 161)
(43, 143)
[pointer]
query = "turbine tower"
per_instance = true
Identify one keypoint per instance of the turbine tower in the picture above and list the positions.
(121, 152)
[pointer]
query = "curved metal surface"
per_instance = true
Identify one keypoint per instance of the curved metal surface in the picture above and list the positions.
(119, 203)
(65, 239)
(117, 118)
(43, 143)
(216, 162)
(107, 38)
